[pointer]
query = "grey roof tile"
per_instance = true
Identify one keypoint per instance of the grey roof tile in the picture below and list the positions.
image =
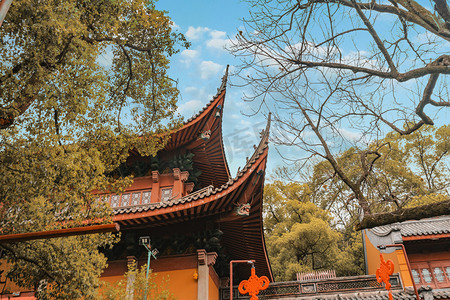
(438, 225)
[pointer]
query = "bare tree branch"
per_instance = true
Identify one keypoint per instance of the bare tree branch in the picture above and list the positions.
(339, 85)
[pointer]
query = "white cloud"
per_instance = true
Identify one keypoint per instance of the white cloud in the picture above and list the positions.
(219, 40)
(194, 99)
(189, 108)
(220, 44)
(106, 58)
(209, 69)
(195, 33)
(310, 50)
(188, 55)
(216, 34)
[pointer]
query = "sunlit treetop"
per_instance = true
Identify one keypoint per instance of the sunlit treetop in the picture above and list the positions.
(81, 84)
(69, 67)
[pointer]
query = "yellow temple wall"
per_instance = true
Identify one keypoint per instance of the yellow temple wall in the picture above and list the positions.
(397, 257)
(213, 288)
(181, 283)
(175, 273)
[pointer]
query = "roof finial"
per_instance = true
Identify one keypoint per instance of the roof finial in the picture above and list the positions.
(224, 79)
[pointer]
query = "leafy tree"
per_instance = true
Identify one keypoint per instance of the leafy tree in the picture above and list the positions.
(413, 171)
(300, 238)
(81, 84)
(345, 72)
(427, 151)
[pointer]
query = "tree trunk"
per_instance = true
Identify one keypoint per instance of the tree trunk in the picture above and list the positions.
(404, 214)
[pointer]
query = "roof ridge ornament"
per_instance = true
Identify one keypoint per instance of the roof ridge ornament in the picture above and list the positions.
(224, 80)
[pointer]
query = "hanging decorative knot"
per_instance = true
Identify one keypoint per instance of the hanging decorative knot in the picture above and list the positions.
(253, 285)
(384, 271)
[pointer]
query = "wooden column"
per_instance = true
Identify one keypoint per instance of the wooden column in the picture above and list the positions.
(403, 266)
(203, 275)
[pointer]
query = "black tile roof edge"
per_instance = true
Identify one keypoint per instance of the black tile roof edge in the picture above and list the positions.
(386, 229)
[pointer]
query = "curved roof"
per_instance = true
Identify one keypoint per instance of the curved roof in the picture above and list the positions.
(243, 235)
(423, 227)
(202, 135)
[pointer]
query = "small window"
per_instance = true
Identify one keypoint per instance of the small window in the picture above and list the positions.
(438, 274)
(415, 275)
(426, 275)
(166, 194)
(136, 198)
(146, 197)
(125, 199)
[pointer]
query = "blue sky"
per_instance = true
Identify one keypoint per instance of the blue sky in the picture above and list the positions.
(209, 26)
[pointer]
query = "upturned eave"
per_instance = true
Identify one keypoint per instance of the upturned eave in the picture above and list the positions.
(202, 135)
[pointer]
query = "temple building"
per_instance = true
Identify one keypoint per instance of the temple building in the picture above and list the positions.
(195, 213)
(186, 204)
